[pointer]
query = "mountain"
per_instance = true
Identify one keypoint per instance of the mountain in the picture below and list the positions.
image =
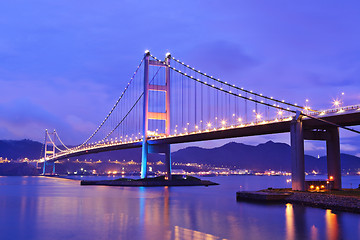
(265, 156)
(14, 150)
(269, 155)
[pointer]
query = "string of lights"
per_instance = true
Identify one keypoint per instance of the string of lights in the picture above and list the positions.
(115, 105)
(132, 107)
(61, 141)
(244, 90)
(225, 91)
(60, 150)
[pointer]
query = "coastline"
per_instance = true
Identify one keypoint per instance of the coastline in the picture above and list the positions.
(345, 200)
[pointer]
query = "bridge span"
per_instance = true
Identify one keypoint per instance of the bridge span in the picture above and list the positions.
(152, 114)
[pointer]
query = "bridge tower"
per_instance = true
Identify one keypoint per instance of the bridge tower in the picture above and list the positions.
(330, 134)
(49, 151)
(161, 116)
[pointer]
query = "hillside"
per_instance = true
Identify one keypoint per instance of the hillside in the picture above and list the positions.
(14, 150)
(262, 157)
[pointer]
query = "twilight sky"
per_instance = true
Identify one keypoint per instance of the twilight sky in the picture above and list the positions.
(63, 64)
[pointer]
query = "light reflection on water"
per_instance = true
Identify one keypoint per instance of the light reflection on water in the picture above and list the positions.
(51, 208)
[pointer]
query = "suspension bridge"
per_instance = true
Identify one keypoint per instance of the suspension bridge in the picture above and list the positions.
(167, 102)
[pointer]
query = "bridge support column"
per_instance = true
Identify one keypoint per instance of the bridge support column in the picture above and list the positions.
(165, 149)
(158, 116)
(53, 168)
(145, 146)
(297, 154)
(44, 168)
(168, 163)
(49, 152)
(144, 158)
(333, 156)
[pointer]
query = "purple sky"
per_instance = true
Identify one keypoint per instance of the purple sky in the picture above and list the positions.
(63, 64)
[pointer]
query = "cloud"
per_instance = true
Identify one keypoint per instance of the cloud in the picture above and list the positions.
(27, 108)
(222, 57)
(348, 147)
(310, 146)
(80, 125)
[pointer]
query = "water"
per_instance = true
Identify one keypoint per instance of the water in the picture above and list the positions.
(52, 208)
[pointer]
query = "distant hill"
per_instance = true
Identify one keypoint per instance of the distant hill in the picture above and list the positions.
(269, 155)
(14, 150)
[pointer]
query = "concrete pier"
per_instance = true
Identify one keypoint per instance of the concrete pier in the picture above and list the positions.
(333, 156)
(297, 154)
(298, 135)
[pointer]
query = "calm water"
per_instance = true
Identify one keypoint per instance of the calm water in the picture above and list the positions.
(51, 208)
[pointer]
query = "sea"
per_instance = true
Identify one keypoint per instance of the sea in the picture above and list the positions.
(58, 208)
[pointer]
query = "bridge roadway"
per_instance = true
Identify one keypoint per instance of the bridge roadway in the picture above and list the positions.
(349, 117)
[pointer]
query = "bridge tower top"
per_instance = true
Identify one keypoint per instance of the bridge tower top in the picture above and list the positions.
(49, 148)
(150, 87)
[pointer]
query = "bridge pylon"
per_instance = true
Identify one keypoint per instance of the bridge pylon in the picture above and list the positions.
(298, 134)
(160, 116)
(49, 151)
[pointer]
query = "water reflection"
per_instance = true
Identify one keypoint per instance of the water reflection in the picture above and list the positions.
(333, 229)
(181, 233)
(297, 227)
(41, 208)
(290, 223)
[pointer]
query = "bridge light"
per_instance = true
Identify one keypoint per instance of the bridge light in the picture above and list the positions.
(336, 103)
(223, 122)
(208, 124)
(147, 51)
(239, 119)
(258, 116)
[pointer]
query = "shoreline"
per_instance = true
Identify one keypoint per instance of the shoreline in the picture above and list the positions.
(343, 200)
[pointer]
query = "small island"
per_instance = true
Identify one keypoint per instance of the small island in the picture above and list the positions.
(176, 180)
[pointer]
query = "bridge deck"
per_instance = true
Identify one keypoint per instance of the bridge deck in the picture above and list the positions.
(348, 118)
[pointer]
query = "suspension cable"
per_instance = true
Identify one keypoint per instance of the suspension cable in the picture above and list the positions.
(113, 108)
(54, 143)
(130, 108)
(61, 141)
(242, 89)
(228, 92)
